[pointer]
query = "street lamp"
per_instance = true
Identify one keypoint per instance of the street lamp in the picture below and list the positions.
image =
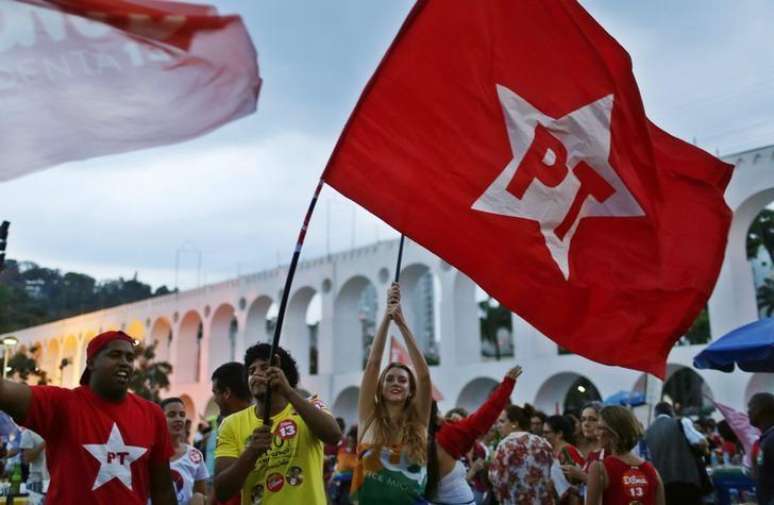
(9, 343)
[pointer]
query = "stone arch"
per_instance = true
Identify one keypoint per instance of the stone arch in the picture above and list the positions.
(759, 383)
(345, 405)
(136, 330)
(495, 327)
(565, 391)
(686, 387)
(734, 302)
(223, 334)
(421, 305)
(354, 323)
(761, 266)
(161, 334)
(296, 332)
(466, 320)
(69, 373)
(189, 339)
(256, 329)
(475, 392)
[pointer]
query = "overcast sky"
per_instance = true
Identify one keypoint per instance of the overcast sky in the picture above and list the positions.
(237, 196)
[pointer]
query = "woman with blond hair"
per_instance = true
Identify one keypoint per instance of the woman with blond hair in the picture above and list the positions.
(393, 411)
(622, 478)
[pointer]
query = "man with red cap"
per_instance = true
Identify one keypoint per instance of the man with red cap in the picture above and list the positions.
(105, 446)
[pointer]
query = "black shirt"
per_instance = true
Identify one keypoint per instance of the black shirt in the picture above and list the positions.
(765, 464)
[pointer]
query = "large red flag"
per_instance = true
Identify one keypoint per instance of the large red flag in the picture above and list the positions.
(509, 137)
(84, 78)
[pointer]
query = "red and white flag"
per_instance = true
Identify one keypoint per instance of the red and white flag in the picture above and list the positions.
(509, 137)
(740, 425)
(85, 78)
(399, 354)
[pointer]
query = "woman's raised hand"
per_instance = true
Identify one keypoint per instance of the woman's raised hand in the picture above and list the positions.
(514, 372)
(393, 301)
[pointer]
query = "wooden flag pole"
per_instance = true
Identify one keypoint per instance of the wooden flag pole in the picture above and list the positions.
(400, 257)
(285, 292)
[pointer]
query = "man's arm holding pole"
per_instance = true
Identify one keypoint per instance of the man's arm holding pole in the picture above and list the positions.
(320, 423)
(230, 473)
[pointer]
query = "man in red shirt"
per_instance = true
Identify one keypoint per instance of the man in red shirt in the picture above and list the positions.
(105, 446)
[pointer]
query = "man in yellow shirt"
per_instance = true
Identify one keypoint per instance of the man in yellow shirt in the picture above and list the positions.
(281, 463)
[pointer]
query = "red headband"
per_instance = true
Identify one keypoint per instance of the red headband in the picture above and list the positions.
(97, 344)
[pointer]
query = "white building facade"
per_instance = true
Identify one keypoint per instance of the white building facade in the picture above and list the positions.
(200, 329)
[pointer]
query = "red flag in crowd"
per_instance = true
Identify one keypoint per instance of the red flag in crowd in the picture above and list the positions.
(85, 78)
(509, 137)
(399, 354)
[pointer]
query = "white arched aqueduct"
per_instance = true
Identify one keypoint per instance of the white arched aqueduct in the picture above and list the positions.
(198, 330)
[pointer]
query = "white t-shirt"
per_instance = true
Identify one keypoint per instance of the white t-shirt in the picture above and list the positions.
(186, 470)
(38, 469)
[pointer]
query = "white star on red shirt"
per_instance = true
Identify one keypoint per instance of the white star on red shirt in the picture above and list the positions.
(115, 459)
(567, 179)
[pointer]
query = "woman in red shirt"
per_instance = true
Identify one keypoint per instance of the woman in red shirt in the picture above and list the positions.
(622, 478)
(558, 430)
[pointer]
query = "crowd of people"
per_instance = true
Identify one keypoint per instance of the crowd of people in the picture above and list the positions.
(105, 445)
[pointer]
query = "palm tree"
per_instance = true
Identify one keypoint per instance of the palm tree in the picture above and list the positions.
(765, 296)
(761, 233)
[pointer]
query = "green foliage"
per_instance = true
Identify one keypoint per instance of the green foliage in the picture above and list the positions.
(699, 332)
(150, 376)
(493, 316)
(23, 365)
(31, 295)
(765, 296)
(761, 232)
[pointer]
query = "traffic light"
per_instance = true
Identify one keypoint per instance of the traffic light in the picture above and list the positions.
(3, 241)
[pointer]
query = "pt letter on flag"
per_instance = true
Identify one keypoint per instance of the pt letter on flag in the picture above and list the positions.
(509, 137)
(86, 78)
(538, 184)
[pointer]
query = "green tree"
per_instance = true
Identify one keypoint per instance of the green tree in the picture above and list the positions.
(493, 316)
(699, 332)
(150, 377)
(765, 296)
(761, 233)
(31, 295)
(23, 365)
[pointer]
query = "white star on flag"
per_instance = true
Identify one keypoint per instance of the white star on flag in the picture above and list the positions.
(560, 172)
(115, 459)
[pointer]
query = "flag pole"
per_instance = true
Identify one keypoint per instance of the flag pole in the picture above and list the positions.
(285, 294)
(400, 258)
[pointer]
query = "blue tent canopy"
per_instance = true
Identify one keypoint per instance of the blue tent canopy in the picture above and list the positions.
(750, 347)
(626, 398)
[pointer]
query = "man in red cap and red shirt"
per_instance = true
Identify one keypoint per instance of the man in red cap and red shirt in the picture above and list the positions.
(105, 446)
